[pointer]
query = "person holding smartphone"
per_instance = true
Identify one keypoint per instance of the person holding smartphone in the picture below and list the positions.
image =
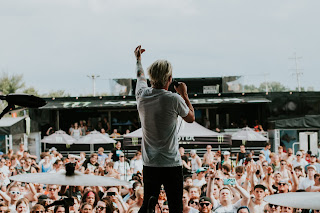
(113, 194)
(158, 111)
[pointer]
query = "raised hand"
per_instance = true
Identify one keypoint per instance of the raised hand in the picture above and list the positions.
(138, 52)
(269, 169)
(290, 167)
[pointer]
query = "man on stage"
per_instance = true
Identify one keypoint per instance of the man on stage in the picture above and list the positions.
(158, 110)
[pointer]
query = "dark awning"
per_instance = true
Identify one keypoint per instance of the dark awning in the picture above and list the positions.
(9, 126)
(309, 121)
(94, 102)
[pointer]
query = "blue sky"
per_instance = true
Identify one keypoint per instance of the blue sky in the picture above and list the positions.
(55, 44)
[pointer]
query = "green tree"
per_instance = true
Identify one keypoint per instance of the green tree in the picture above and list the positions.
(56, 93)
(11, 83)
(273, 86)
(31, 91)
(250, 88)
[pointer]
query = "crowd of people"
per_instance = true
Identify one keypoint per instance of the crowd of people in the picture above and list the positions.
(83, 128)
(212, 183)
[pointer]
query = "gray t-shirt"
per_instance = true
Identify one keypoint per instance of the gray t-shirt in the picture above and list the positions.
(158, 110)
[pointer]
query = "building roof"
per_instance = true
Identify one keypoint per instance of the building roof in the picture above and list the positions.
(125, 102)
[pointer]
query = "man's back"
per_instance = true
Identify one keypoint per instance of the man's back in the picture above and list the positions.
(158, 111)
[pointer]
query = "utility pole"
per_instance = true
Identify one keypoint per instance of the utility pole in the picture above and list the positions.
(297, 70)
(93, 77)
(266, 82)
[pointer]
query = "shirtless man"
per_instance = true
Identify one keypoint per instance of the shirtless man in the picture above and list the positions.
(257, 203)
(138, 202)
(195, 161)
(111, 171)
(208, 156)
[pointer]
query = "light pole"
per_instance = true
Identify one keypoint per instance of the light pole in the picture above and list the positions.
(93, 77)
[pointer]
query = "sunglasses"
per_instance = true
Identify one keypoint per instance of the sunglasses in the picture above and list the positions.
(204, 204)
(217, 178)
(194, 202)
(100, 207)
(282, 184)
(273, 205)
(52, 189)
(14, 192)
(37, 211)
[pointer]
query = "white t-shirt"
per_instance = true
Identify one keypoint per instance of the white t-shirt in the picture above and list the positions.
(228, 209)
(194, 165)
(305, 183)
(136, 165)
(199, 183)
(193, 210)
(5, 170)
(121, 167)
(302, 163)
(158, 110)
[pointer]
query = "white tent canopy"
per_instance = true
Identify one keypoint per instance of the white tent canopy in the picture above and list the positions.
(188, 133)
(248, 134)
(59, 137)
(95, 137)
(184, 130)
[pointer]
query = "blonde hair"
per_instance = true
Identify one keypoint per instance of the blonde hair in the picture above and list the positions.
(159, 73)
(22, 200)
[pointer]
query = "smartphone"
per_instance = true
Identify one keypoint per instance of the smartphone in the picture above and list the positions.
(229, 181)
(111, 193)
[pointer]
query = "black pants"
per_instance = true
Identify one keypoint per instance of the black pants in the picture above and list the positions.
(172, 180)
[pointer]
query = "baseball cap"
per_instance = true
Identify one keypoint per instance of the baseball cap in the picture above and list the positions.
(299, 153)
(284, 181)
(204, 198)
(193, 151)
(43, 197)
(277, 172)
(261, 155)
(201, 169)
(312, 167)
(121, 154)
(226, 153)
(313, 155)
(53, 149)
(260, 186)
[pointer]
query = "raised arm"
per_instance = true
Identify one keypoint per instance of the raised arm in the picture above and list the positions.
(182, 90)
(140, 73)
(244, 194)
(5, 197)
(295, 179)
